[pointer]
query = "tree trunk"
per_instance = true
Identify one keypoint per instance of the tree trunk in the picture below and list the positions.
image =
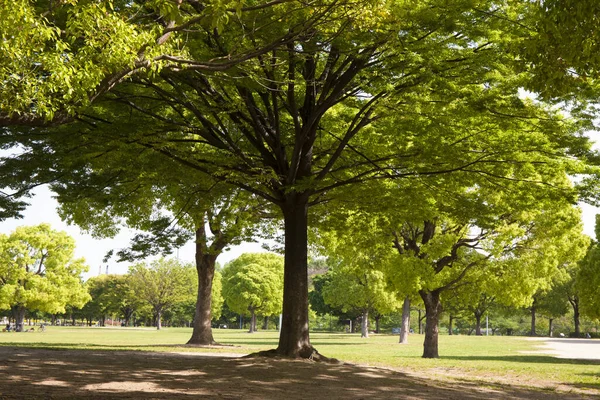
(266, 323)
(364, 325)
(450, 321)
(433, 308)
(19, 318)
(252, 320)
(478, 324)
(550, 326)
(405, 328)
(205, 266)
(158, 320)
(575, 304)
(532, 331)
(419, 318)
(294, 338)
(377, 319)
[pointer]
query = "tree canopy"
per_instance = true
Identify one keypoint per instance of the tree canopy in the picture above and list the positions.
(253, 284)
(38, 271)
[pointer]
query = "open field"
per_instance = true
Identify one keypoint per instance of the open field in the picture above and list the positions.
(468, 364)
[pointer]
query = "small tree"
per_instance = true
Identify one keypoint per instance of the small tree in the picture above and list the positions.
(38, 272)
(253, 283)
(163, 284)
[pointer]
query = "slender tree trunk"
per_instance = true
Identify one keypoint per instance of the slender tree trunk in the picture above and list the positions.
(532, 331)
(478, 323)
(205, 267)
(364, 325)
(405, 328)
(433, 308)
(294, 338)
(450, 321)
(158, 320)
(377, 319)
(252, 320)
(266, 323)
(550, 326)
(419, 317)
(575, 305)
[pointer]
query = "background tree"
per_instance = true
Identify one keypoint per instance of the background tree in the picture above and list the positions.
(161, 285)
(588, 280)
(253, 283)
(38, 271)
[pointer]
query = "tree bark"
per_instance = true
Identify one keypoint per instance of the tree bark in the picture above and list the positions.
(433, 308)
(364, 324)
(377, 319)
(266, 323)
(158, 320)
(532, 331)
(575, 305)
(450, 321)
(478, 323)
(19, 318)
(252, 320)
(294, 338)
(405, 328)
(205, 267)
(550, 326)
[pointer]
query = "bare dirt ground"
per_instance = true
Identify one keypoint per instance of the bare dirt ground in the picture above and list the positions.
(76, 374)
(578, 349)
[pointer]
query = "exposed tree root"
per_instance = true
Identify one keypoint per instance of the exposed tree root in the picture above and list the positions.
(212, 344)
(311, 355)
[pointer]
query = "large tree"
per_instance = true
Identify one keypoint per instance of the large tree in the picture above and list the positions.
(400, 89)
(38, 271)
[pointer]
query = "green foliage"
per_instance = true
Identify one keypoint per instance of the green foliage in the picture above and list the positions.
(38, 270)
(253, 283)
(163, 284)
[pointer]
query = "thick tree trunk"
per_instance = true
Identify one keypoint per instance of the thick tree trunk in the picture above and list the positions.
(158, 320)
(205, 267)
(450, 321)
(364, 324)
(433, 308)
(405, 328)
(294, 338)
(478, 324)
(550, 326)
(532, 331)
(266, 323)
(19, 318)
(252, 320)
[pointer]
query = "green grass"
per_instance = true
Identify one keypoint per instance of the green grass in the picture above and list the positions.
(483, 359)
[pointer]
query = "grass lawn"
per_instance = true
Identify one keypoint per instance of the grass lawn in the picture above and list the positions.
(469, 358)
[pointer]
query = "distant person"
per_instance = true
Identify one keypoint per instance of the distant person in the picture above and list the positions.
(9, 327)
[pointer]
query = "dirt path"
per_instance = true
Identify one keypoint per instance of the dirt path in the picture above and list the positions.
(578, 349)
(71, 374)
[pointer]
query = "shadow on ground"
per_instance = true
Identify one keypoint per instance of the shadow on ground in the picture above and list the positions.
(27, 373)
